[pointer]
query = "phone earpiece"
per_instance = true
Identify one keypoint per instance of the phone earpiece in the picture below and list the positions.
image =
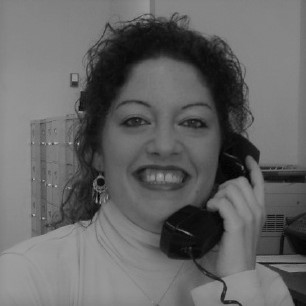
(232, 159)
(230, 167)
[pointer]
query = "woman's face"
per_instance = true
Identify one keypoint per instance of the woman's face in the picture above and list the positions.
(160, 143)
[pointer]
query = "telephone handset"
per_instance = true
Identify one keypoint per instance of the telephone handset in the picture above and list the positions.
(191, 231)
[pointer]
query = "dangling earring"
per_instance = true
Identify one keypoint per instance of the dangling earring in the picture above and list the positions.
(99, 190)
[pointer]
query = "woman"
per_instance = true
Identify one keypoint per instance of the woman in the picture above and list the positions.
(162, 104)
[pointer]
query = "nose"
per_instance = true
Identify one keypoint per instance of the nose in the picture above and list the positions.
(165, 142)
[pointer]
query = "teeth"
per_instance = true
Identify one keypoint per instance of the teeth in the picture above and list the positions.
(162, 176)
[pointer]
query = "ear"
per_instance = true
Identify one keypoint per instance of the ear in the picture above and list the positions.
(97, 162)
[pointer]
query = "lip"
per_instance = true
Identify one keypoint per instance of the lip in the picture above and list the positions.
(174, 170)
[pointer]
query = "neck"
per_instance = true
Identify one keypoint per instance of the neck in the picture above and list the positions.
(130, 243)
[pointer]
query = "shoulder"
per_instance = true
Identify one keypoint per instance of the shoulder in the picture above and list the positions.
(275, 290)
(266, 275)
(262, 285)
(53, 246)
(269, 279)
(41, 242)
(47, 261)
(32, 271)
(33, 242)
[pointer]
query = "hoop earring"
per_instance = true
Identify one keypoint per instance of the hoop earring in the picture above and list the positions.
(99, 190)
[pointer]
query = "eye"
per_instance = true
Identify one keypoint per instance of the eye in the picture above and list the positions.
(194, 123)
(135, 122)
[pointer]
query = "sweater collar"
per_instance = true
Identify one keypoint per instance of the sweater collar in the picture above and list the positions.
(128, 230)
(129, 243)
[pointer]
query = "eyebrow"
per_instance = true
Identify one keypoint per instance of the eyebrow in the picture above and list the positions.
(196, 104)
(132, 102)
(140, 102)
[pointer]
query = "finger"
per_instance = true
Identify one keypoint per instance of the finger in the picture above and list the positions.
(257, 179)
(231, 221)
(243, 186)
(235, 195)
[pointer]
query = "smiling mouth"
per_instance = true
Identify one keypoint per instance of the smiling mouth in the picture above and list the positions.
(162, 177)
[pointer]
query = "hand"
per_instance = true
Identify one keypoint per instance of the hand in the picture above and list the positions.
(241, 205)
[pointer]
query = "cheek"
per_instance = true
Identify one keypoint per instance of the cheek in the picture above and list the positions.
(207, 153)
(114, 171)
(207, 165)
(205, 185)
(208, 170)
(119, 154)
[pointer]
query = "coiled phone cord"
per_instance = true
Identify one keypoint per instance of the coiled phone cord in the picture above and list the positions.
(215, 277)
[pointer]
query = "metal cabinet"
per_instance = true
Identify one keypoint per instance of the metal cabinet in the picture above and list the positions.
(52, 162)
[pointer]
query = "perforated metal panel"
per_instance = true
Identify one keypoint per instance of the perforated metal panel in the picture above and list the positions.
(274, 223)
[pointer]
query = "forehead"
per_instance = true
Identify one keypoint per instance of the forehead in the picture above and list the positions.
(165, 79)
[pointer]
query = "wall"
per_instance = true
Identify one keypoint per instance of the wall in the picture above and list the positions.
(42, 42)
(265, 35)
(128, 9)
(302, 106)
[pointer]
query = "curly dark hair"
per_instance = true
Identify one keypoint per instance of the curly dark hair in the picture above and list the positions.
(109, 63)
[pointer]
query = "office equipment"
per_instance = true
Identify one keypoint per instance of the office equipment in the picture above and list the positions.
(291, 268)
(283, 173)
(283, 200)
(276, 259)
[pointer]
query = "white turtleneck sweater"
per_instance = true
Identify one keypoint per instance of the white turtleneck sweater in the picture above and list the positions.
(112, 262)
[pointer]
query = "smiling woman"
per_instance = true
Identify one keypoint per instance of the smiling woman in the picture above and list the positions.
(163, 102)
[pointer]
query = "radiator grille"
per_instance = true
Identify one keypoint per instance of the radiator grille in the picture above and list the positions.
(274, 223)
